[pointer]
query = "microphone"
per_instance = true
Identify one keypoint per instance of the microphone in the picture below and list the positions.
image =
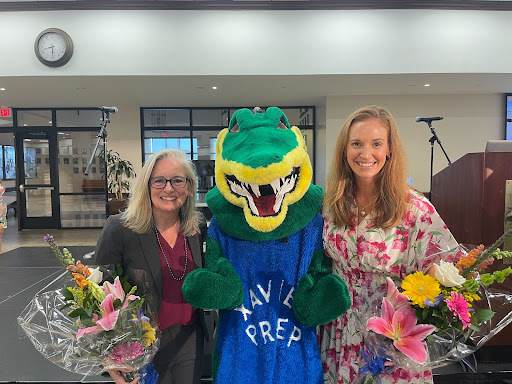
(428, 119)
(109, 109)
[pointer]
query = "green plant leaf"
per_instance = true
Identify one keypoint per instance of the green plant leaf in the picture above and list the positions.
(77, 312)
(483, 315)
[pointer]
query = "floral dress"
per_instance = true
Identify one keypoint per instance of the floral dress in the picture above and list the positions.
(363, 257)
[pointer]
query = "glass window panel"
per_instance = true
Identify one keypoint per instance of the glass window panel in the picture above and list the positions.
(6, 121)
(166, 117)
(210, 117)
(203, 140)
(308, 138)
(79, 118)
(38, 202)
(299, 116)
(75, 151)
(2, 176)
(34, 118)
(155, 141)
(79, 211)
(36, 161)
(10, 163)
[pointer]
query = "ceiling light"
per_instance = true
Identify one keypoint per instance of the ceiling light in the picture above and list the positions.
(24, 125)
(214, 87)
(2, 89)
(427, 85)
(50, 122)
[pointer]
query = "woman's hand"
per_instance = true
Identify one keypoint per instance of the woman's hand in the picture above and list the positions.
(116, 375)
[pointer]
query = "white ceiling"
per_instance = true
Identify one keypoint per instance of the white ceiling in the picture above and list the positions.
(176, 91)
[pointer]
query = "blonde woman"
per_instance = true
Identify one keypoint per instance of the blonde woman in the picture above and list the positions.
(376, 226)
(159, 234)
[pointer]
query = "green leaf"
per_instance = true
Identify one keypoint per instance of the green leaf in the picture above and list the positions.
(65, 306)
(77, 312)
(390, 237)
(483, 315)
(68, 295)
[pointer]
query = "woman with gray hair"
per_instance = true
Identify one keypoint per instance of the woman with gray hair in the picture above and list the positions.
(158, 237)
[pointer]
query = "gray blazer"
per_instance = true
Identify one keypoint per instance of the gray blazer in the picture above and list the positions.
(138, 255)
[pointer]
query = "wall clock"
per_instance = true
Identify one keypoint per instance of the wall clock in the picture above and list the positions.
(53, 47)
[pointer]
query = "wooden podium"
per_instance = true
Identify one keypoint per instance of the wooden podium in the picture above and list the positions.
(470, 197)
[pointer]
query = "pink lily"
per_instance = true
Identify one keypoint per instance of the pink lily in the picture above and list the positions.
(400, 326)
(394, 296)
(117, 291)
(108, 319)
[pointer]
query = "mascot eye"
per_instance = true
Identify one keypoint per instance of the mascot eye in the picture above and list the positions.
(282, 124)
(234, 128)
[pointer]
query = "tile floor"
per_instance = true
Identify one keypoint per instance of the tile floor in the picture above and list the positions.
(13, 238)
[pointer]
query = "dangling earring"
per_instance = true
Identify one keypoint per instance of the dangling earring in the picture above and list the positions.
(388, 157)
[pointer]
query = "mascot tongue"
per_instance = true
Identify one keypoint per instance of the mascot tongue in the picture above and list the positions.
(265, 204)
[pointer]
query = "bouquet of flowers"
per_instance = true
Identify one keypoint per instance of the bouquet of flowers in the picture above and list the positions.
(432, 321)
(92, 324)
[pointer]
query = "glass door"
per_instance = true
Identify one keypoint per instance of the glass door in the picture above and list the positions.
(37, 179)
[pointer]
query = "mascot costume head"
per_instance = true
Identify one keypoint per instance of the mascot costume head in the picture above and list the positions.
(266, 270)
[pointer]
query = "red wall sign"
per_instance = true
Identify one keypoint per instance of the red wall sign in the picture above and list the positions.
(5, 112)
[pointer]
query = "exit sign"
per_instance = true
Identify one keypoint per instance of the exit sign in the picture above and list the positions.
(5, 112)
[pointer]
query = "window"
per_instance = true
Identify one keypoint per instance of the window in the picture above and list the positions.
(195, 130)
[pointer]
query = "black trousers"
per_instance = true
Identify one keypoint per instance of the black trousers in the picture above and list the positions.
(179, 358)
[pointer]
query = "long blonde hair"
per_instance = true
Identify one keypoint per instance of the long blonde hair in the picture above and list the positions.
(139, 215)
(392, 188)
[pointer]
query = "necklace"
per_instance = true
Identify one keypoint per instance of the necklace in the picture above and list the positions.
(363, 210)
(165, 257)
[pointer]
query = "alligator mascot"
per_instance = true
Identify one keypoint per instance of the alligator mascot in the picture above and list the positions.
(265, 265)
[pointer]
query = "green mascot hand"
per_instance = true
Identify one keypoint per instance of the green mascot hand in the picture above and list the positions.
(218, 287)
(320, 299)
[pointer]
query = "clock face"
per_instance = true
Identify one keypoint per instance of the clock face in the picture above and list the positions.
(53, 47)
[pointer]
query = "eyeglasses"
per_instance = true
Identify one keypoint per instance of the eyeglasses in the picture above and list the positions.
(161, 182)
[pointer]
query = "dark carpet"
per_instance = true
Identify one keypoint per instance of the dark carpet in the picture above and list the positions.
(40, 257)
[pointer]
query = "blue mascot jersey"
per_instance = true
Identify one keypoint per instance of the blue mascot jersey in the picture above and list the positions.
(262, 341)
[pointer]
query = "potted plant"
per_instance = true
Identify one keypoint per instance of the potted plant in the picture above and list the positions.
(118, 171)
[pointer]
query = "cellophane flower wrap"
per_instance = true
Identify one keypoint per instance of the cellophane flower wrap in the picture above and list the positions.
(427, 322)
(90, 320)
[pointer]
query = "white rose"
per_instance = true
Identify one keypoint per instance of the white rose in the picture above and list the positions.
(96, 275)
(448, 275)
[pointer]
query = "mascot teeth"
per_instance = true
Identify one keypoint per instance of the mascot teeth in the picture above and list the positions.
(265, 200)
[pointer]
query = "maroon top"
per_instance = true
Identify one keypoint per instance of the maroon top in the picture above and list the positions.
(174, 309)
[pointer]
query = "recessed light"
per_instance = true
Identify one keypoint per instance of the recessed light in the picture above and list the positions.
(50, 122)
(2, 89)
(24, 125)
(427, 85)
(214, 87)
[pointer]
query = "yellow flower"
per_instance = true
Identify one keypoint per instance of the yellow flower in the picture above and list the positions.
(419, 287)
(149, 334)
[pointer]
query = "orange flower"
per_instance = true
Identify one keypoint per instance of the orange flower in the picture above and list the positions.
(80, 280)
(485, 263)
(467, 261)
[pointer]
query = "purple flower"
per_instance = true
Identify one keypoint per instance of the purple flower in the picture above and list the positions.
(48, 238)
(436, 302)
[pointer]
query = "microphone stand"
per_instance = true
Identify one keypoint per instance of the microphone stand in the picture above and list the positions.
(102, 135)
(432, 141)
